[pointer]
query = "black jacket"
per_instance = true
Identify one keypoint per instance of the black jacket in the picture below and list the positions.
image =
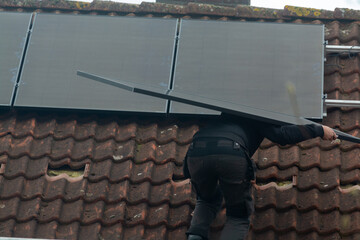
(250, 133)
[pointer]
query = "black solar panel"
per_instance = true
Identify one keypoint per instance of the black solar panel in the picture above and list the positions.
(13, 32)
(257, 65)
(139, 50)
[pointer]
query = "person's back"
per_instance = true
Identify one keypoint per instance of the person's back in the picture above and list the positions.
(219, 165)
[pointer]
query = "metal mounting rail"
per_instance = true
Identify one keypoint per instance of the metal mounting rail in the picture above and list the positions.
(337, 49)
(342, 103)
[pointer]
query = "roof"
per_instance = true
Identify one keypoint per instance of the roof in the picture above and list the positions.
(126, 170)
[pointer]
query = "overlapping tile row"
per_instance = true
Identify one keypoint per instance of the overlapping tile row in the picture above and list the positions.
(134, 186)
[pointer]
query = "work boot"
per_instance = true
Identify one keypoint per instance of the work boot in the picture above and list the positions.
(194, 237)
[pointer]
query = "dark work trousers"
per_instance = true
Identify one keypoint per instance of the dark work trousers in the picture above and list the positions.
(218, 169)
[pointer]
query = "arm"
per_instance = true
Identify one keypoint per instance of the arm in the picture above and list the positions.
(291, 134)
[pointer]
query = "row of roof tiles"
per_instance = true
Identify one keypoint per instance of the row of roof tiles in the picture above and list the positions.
(74, 230)
(173, 193)
(114, 8)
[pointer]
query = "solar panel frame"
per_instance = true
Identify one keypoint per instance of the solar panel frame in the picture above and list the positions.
(40, 83)
(12, 47)
(210, 50)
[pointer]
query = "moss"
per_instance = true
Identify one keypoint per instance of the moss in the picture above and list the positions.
(301, 11)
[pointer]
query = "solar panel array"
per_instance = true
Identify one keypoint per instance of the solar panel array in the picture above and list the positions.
(264, 67)
(13, 33)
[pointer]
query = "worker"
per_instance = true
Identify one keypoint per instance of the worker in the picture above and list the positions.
(219, 165)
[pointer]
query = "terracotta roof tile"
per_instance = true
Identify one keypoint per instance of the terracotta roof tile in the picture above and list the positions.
(111, 232)
(350, 177)
(11, 188)
(179, 216)
(7, 227)
(274, 173)
(61, 149)
(114, 213)
(50, 211)
(158, 215)
(53, 189)
(92, 212)
(69, 231)
(96, 191)
(25, 229)
(65, 128)
(118, 192)
(121, 171)
(7, 124)
(155, 233)
(28, 210)
(9, 208)
(178, 233)
(138, 193)
(46, 230)
(181, 193)
(142, 172)
(314, 178)
(33, 188)
(160, 194)
(71, 212)
(136, 214)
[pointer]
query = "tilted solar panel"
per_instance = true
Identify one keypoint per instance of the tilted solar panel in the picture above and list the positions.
(139, 50)
(258, 65)
(13, 32)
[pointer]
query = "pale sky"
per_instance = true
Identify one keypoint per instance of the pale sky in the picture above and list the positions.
(279, 4)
